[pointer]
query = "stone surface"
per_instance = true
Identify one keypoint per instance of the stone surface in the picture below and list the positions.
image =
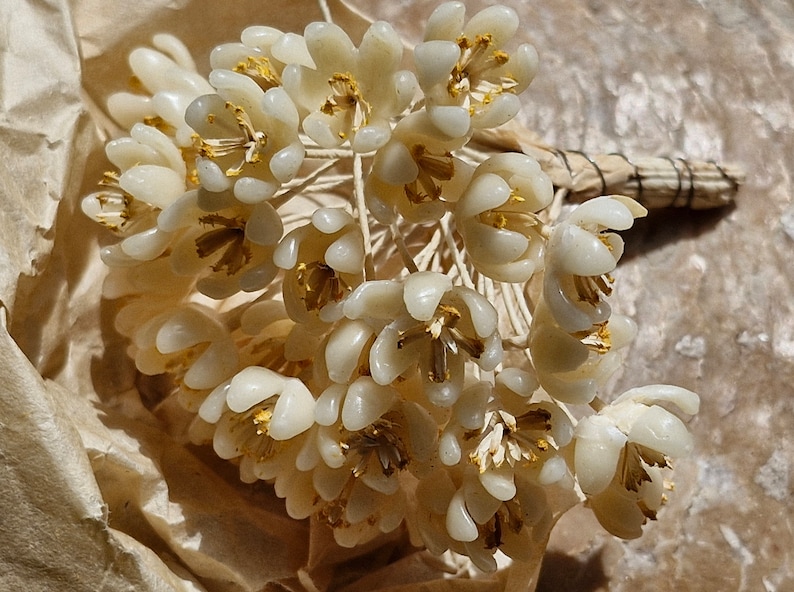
(712, 292)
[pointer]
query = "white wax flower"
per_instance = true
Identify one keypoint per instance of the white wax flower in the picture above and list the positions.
(350, 94)
(504, 445)
(414, 174)
(152, 176)
(468, 79)
(254, 57)
(439, 328)
(260, 417)
(619, 450)
(454, 511)
(247, 138)
(497, 217)
(189, 342)
(571, 368)
(168, 76)
(228, 249)
(355, 466)
(324, 260)
(579, 257)
(254, 411)
(527, 444)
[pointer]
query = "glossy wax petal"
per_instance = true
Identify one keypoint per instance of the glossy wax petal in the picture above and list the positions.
(365, 402)
(252, 386)
(423, 293)
(294, 411)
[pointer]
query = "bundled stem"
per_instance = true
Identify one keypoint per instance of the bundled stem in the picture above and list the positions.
(655, 182)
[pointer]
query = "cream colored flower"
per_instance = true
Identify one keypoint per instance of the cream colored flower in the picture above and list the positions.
(169, 83)
(527, 444)
(152, 176)
(263, 338)
(571, 368)
(497, 217)
(147, 296)
(350, 94)
(504, 444)
(257, 414)
(227, 249)
(246, 138)
(433, 328)
(359, 493)
(620, 450)
(324, 260)
(453, 511)
(254, 56)
(366, 439)
(415, 174)
(190, 343)
(468, 79)
(579, 258)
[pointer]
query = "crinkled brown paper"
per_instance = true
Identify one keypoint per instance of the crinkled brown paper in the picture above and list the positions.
(99, 494)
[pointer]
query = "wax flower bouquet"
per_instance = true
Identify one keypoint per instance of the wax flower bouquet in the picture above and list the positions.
(360, 304)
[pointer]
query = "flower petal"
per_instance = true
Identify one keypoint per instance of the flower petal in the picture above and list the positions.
(252, 386)
(423, 292)
(365, 402)
(660, 430)
(460, 525)
(597, 449)
(294, 411)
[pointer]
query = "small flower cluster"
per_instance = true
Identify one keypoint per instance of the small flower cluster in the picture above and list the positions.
(339, 289)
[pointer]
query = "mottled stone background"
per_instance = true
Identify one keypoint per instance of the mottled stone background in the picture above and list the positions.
(712, 292)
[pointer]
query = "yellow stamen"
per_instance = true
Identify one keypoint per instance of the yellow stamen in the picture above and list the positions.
(261, 420)
(230, 237)
(260, 69)
(252, 142)
(320, 284)
(347, 99)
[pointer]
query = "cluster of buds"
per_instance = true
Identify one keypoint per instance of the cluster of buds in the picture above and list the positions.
(339, 289)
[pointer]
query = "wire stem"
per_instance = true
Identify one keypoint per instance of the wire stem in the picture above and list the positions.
(363, 219)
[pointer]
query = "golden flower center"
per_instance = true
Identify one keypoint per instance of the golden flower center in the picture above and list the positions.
(473, 76)
(251, 430)
(260, 69)
(261, 418)
(599, 340)
(521, 222)
(319, 284)
(445, 339)
(510, 439)
(432, 168)
(252, 142)
(347, 101)
(228, 238)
